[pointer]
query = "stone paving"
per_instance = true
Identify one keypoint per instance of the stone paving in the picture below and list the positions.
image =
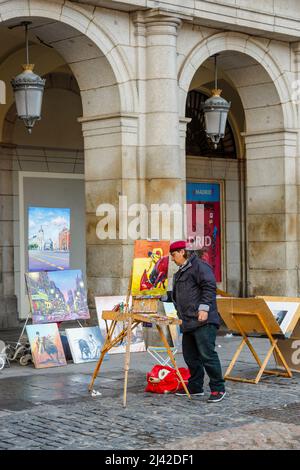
(51, 409)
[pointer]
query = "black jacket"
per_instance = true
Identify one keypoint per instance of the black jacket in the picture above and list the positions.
(194, 289)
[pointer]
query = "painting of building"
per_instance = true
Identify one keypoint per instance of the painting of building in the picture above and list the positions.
(48, 239)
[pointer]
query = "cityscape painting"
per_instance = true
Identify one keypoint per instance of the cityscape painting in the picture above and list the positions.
(48, 239)
(46, 346)
(57, 296)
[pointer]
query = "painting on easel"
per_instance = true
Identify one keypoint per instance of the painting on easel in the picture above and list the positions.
(150, 268)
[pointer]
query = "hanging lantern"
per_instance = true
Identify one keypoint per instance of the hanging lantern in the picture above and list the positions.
(28, 90)
(215, 110)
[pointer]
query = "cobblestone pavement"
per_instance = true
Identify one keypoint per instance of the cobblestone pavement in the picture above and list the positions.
(51, 409)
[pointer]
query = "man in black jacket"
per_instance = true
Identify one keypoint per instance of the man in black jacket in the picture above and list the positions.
(194, 296)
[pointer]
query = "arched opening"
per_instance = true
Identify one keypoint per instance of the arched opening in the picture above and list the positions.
(54, 167)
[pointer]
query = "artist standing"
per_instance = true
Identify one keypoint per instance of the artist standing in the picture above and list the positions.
(194, 296)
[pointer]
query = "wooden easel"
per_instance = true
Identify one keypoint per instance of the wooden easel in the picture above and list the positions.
(246, 316)
(143, 310)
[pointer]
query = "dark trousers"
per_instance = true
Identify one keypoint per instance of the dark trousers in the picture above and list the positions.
(198, 347)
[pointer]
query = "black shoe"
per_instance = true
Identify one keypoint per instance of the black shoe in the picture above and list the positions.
(182, 393)
(216, 396)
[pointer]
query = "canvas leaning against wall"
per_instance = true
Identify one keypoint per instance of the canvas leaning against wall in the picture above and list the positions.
(46, 346)
(57, 296)
(150, 268)
(137, 340)
(175, 333)
(48, 238)
(85, 343)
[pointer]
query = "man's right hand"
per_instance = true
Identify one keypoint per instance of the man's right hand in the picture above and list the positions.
(202, 315)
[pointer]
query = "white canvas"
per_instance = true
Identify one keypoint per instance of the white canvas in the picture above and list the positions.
(283, 312)
(85, 343)
(171, 311)
(108, 303)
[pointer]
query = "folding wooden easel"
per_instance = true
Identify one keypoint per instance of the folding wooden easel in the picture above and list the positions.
(143, 311)
(248, 316)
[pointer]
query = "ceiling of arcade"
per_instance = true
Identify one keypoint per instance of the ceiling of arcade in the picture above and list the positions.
(54, 48)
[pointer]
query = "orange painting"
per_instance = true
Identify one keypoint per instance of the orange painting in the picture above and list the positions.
(46, 345)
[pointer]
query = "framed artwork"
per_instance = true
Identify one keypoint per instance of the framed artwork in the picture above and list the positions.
(85, 343)
(57, 296)
(48, 238)
(46, 347)
(137, 340)
(150, 268)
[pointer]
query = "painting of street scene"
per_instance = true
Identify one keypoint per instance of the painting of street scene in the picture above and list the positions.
(46, 346)
(150, 268)
(48, 239)
(57, 296)
(85, 343)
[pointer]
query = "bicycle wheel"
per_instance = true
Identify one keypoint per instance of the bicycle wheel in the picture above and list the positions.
(2, 363)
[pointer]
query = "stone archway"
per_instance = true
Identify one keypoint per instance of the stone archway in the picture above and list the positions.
(270, 151)
(109, 123)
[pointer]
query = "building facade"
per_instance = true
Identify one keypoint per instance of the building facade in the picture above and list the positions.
(124, 80)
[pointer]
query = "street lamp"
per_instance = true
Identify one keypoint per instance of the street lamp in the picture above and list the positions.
(28, 90)
(215, 111)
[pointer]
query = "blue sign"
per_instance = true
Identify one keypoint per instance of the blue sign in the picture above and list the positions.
(204, 192)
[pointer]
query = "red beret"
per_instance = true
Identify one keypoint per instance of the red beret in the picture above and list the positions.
(181, 245)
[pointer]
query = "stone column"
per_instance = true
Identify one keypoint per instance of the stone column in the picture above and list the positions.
(8, 302)
(165, 164)
(272, 212)
(296, 99)
(110, 172)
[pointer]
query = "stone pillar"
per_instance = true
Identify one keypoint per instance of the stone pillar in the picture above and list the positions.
(8, 302)
(272, 212)
(165, 164)
(296, 99)
(110, 171)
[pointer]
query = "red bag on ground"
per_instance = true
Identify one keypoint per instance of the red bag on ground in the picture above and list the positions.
(164, 379)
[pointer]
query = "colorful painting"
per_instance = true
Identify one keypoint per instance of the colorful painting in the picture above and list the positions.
(46, 346)
(175, 332)
(85, 343)
(207, 234)
(48, 239)
(150, 268)
(137, 340)
(57, 296)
